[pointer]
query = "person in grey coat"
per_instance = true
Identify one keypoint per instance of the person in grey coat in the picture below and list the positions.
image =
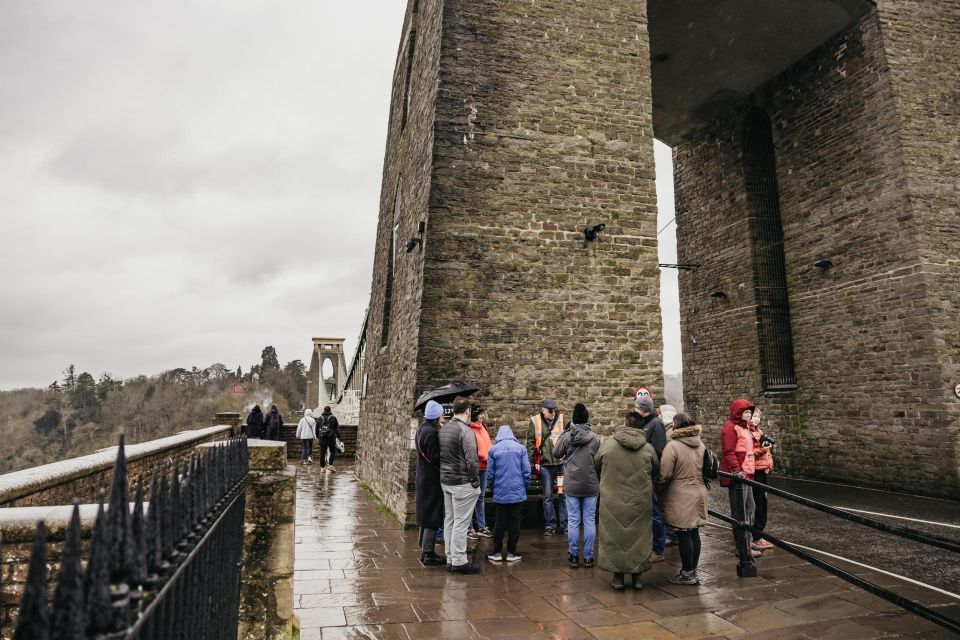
(581, 484)
(460, 481)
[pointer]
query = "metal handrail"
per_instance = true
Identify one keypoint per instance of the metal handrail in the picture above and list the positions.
(904, 532)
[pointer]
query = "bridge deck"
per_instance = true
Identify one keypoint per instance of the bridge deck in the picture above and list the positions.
(357, 576)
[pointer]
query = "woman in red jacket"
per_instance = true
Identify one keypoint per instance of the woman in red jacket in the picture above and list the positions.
(736, 457)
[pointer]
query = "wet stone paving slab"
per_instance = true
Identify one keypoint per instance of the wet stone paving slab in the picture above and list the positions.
(357, 576)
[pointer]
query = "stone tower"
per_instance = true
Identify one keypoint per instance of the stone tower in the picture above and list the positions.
(323, 390)
(804, 134)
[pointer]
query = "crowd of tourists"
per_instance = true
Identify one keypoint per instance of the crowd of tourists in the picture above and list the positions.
(627, 496)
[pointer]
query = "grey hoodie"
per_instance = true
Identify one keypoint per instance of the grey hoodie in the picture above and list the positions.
(578, 444)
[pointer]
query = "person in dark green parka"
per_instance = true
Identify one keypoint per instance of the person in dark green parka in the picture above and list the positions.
(627, 465)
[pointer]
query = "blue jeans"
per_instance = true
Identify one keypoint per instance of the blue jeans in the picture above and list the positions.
(479, 512)
(306, 449)
(581, 511)
(547, 476)
(659, 529)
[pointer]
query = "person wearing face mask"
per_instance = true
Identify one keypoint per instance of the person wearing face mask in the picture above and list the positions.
(763, 465)
(736, 458)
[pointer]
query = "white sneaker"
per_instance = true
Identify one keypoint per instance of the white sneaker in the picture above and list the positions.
(495, 557)
(513, 557)
(310, 459)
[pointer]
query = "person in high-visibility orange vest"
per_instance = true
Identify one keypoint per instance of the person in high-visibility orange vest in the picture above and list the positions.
(547, 428)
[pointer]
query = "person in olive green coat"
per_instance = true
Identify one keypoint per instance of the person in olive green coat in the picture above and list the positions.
(627, 465)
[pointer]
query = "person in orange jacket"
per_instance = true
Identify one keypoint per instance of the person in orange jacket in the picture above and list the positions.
(480, 527)
(762, 466)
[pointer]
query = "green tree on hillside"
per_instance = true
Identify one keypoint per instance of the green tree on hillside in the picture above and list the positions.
(268, 360)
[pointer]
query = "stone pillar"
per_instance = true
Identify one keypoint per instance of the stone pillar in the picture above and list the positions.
(266, 592)
(231, 418)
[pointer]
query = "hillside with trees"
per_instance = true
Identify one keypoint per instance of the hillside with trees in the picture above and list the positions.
(79, 413)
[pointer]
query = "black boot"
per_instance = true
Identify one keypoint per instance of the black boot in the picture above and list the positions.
(573, 560)
(637, 583)
(431, 559)
(617, 583)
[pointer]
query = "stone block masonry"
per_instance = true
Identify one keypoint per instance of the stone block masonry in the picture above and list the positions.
(865, 137)
(525, 124)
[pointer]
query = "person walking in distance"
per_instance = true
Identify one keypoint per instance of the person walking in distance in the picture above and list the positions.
(328, 430)
(627, 465)
(273, 420)
(255, 423)
(547, 428)
(656, 435)
(305, 434)
(736, 458)
(460, 481)
(429, 493)
(762, 467)
(684, 495)
(508, 473)
(581, 485)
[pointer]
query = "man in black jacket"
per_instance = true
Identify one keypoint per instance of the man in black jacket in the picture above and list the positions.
(273, 422)
(255, 423)
(460, 481)
(328, 431)
(656, 435)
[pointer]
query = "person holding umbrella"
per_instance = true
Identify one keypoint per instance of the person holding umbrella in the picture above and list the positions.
(460, 481)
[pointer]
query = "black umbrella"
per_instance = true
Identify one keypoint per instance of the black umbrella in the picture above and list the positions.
(446, 393)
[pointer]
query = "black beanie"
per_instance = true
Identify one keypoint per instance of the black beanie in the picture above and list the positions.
(580, 415)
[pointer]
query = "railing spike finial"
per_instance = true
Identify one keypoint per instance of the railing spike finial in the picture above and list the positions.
(118, 517)
(138, 556)
(96, 581)
(67, 619)
(33, 621)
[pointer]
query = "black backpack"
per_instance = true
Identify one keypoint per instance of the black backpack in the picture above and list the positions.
(711, 465)
(275, 422)
(324, 428)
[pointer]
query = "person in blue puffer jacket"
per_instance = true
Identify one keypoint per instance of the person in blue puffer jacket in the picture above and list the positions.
(508, 473)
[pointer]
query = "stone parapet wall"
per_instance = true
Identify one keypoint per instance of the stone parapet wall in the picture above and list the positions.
(871, 333)
(82, 478)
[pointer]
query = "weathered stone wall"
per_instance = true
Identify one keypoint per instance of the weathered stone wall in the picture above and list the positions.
(870, 389)
(920, 41)
(540, 126)
(82, 478)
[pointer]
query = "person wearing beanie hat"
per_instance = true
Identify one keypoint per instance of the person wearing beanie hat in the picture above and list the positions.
(581, 485)
(547, 427)
(429, 494)
(656, 434)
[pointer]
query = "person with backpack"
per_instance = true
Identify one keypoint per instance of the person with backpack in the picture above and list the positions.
(255, 423)
(328, 431)
(581, 485)
(508, 473)
(273, 421)
(684, 493)
(428, 491)
(305, 435)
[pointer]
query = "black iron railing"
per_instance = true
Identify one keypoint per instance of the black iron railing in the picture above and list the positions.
(167, 572)
(746, 569)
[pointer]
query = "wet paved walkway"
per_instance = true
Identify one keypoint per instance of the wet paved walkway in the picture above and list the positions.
(357, 576)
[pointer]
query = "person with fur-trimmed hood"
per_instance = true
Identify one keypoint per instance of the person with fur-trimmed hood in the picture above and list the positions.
(737, 458)
(684, 493)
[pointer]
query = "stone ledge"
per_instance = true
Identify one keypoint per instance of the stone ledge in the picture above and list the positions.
(28, 481)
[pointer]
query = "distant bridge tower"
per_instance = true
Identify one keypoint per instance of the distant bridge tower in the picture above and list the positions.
(324, 383)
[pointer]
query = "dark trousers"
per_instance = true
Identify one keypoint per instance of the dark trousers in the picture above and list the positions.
(508, 519)
(741, 510)
(689, 543)
(759, 504)
(273, 433)
(327, 444)
(428, 539)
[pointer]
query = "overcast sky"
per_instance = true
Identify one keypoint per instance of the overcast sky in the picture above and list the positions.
(185, 182)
